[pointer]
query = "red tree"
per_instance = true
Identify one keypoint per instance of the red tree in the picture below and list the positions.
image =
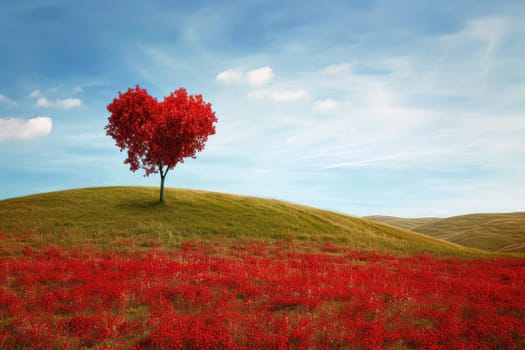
(159, 135)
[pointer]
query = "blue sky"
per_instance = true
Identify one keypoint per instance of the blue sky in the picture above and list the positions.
(407, 108)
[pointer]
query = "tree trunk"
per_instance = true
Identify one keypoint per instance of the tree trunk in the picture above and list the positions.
(163, 174)
(162, 177)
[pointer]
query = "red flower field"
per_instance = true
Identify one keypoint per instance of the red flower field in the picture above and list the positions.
(254, 295)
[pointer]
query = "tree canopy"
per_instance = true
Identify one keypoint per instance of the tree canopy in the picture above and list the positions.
(159, 135)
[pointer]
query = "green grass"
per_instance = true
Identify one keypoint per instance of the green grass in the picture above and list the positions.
(113, 217)
(504, 232)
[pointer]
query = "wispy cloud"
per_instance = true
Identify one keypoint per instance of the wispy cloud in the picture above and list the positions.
(280, 95)
(487, 31)
(35, 94)
(24, 129)
(78, 89)
(7, 101)
(324, 105)
(65, 103)
(255, 77)
(338, 68)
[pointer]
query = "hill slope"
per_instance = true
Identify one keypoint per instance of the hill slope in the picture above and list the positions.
(495, 232)
(406, 223)
(109, 217)
(504, 232)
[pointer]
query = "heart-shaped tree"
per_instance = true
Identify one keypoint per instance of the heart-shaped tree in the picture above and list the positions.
(159, 135)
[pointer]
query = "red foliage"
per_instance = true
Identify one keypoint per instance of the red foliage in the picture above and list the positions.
(258, 296)
(158, 136)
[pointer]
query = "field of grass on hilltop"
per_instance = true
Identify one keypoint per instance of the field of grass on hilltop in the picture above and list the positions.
(111, 217)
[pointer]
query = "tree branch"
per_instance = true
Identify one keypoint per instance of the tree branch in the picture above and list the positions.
(163, 173)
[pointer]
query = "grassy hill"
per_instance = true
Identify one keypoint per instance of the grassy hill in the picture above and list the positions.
(406, 223)
(113, 217)
(504, 232)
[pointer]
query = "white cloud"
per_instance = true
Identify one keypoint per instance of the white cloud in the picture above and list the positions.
(43, 102)
(6, 100)
(66, 103)
(338, 68)
(18, 128)
(280, 95)
(35, 93)
(259, 76)
(254, 77)
(289, 95)
(230, 76)
(324, 105)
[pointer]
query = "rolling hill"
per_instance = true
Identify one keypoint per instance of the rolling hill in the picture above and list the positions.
(111, 217)
(406, 223)
(502, 232)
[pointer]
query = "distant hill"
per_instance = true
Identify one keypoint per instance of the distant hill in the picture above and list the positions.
(407, 223)
(501, 232)
(109, 217)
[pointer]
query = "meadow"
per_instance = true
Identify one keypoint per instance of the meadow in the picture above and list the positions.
(102, 217)
(252, 274)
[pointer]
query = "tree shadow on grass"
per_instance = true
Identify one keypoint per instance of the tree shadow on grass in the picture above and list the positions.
(149, 205)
